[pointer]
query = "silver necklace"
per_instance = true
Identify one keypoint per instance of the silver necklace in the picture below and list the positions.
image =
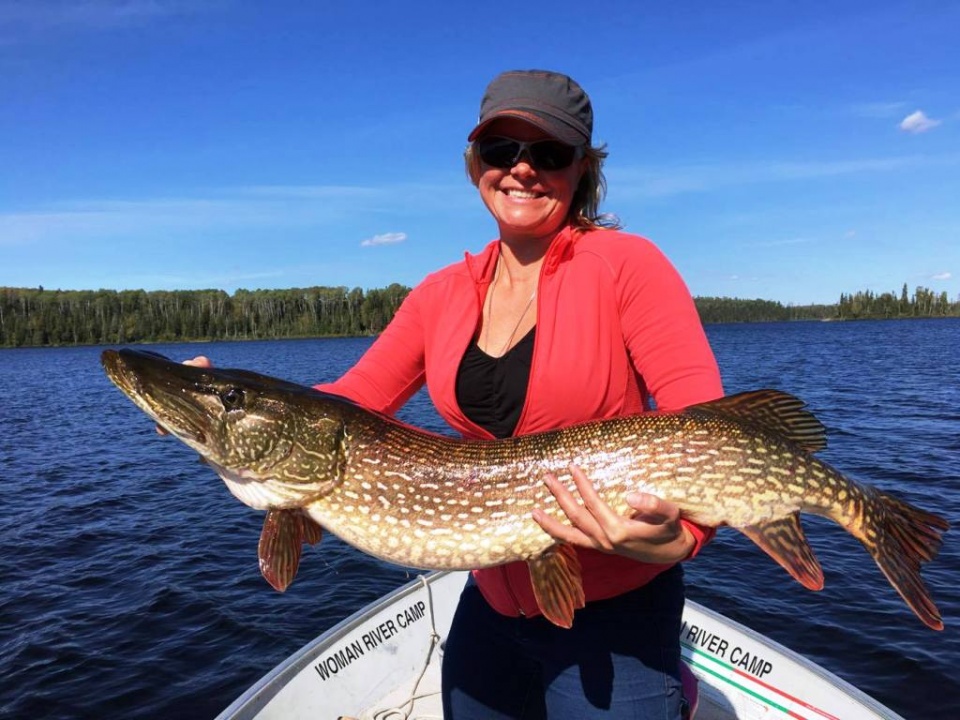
(526, 309)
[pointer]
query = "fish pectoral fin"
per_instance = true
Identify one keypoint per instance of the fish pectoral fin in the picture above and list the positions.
(783, 540)
(281, 539)
(557, 584)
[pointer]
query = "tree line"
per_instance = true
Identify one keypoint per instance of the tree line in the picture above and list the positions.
(737, 310)
(923, 303)
(39, 317)
(83, 317)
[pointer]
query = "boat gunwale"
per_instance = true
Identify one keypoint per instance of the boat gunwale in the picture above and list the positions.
(255, 698)
(258, 695)
(852, 691)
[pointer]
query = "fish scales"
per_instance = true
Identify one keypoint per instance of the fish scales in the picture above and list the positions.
(424, 500)
(661, 462)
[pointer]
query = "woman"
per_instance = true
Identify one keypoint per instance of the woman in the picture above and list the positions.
(558, 321)
(561, 320)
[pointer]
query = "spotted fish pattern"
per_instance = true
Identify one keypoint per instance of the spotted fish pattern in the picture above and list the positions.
(428, 501)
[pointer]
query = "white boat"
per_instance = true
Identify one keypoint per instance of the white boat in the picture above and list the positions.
(383, 663)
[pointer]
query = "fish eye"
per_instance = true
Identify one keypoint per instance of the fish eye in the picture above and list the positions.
(232, 398)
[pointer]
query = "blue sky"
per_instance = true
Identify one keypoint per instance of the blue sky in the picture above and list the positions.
(779, 150)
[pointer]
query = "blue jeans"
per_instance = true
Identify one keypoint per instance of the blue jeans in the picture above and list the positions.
(619, 660)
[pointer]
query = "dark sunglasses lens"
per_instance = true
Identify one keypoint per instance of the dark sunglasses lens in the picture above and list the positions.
(498, 152)
(551, 155)
(503, 153)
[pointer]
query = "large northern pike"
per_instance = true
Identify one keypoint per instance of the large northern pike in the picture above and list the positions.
(423, 500)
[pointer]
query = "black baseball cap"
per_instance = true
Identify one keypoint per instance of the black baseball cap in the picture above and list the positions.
(553, 102)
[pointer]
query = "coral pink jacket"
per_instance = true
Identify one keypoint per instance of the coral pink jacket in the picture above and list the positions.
(616, 327)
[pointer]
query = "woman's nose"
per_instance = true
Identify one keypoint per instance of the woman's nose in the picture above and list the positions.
(522, 168)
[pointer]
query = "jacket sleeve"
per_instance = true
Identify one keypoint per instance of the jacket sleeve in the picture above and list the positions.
(666, 341)
(663, 333)
(392, 370)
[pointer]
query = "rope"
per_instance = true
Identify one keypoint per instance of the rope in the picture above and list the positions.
(402, 711)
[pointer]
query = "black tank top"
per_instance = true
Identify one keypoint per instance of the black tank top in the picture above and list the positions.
(491, 391)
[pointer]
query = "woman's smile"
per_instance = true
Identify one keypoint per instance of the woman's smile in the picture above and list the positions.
(525, 201)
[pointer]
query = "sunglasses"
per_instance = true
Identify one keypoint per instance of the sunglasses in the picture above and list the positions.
(504, 153)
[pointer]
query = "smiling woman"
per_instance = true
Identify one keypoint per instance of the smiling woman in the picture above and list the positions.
(560, 320)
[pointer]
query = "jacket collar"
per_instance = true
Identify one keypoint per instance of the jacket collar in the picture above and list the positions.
(482, 265)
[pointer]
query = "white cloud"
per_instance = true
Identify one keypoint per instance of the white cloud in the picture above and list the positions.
(384, 239)
(112, 218)
(668, 181)
(307, 192)
(92, 14)
(30, 22)
(221, 209)
(918, 122)
(227, 209)
(941, 276)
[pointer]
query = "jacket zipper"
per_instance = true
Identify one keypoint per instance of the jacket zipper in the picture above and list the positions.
(511, 593)
(523, 413)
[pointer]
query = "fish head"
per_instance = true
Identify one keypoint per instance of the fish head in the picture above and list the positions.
(243, 424)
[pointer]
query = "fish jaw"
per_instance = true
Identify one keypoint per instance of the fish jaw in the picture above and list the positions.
(244, 425)
(158, 399)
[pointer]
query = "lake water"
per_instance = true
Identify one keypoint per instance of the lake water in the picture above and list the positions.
(129, 585)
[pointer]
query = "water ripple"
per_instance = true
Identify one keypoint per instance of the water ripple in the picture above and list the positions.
(130, 582)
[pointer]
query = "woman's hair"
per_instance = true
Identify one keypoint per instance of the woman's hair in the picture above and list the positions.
(585, 208)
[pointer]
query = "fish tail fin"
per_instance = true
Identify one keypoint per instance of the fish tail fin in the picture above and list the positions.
(783, 540)
(901, 537)
(281, 542)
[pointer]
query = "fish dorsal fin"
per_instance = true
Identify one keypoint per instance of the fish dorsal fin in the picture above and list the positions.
(772, 410)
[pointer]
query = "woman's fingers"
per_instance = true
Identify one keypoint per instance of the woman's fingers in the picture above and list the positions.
(593, 523)
(573, 533)
(652, 534)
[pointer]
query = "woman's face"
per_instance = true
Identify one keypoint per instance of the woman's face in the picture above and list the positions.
(527, 202)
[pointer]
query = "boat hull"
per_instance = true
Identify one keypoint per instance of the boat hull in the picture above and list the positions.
(388, 654)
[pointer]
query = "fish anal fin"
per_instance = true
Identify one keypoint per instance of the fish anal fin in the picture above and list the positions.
(783, 540)
(771, 410)
(557, 584)
(281, 539)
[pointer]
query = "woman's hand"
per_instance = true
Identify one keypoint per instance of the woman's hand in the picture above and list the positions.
(654, 533)
(198, 361)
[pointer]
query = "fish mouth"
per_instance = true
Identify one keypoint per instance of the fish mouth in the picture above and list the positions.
(144, 377)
